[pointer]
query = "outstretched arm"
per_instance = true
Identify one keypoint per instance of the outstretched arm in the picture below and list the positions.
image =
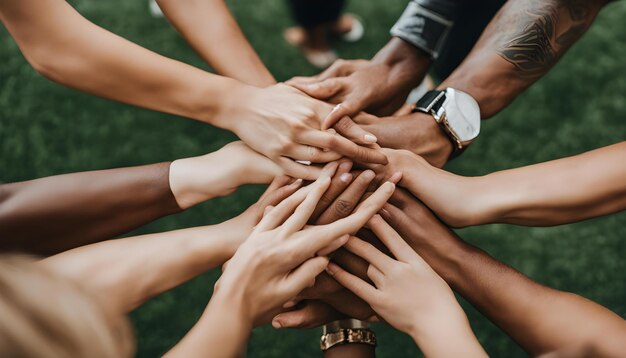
(551, 193)
(69, 49)
(54, 214)
(212, 31)
(130, 271)
(279, 121)
(540, 319)
(520, 45)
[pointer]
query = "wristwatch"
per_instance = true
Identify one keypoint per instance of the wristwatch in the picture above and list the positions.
(457, 114)
(346, 331)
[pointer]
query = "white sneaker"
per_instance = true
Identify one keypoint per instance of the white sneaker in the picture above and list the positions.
(155, 10)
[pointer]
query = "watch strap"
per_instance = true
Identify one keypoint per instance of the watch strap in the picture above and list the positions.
(431, 103)
(348, 335)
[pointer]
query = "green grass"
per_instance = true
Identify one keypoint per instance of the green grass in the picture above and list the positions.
(46, 129)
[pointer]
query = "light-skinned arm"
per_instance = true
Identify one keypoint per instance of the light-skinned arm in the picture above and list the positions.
(211, 30)
(278, 260)
(279, 121)
(409, 295)
(49, 215)
(130, 271)
(556, 192)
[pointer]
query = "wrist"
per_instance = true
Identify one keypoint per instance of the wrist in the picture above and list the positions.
(235, 109)
(195, 180)
(407, 64)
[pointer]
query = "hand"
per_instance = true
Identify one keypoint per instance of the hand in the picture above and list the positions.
(283, 124)
(195, 180)
(338, 202)
(407, 293)
(415, 132)
(349, 83)
(378, 86)
(458, 201)
(279, 258)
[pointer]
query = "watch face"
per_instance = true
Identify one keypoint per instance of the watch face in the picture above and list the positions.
(463, 114)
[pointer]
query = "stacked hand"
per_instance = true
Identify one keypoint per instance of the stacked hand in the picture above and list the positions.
(284, 124)
(282, 256)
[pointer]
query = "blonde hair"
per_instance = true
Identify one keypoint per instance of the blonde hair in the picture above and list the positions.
(45, 315)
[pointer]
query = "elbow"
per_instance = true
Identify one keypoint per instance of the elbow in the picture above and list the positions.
(45, 60)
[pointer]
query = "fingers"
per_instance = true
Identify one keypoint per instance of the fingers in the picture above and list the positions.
(371, 254)
(375, 275)
(303, 212)
(343, 146)
(271, 197)
(397, 219)
(347, 200)
(365, 211)
(320, 90)
(278, 182)
(312, 314)
(312, 154)
(347, 128)
(353, 283)
(394, 242)
(277, 215)
(304, 275)
(345, 109)
(338, 184)
(296, 170)
(333, 246)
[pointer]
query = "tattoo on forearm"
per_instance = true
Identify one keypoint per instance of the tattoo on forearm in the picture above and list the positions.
(535, 33)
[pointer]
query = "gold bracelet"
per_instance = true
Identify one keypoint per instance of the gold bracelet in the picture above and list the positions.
(346, 331)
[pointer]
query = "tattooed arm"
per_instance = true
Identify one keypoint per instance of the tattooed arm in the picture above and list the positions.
(520, 45)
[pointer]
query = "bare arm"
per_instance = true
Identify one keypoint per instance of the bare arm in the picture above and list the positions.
(70, 50)
(539, 318)
(132, 270)
(556, 192)
(280, 122)
(54, 214)
(212, 31)
(520, 45)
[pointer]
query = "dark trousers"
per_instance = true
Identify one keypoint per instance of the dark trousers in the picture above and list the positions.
(312, 13)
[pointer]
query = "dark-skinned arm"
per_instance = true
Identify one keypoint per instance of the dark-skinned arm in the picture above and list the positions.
(520, 45)
(53, 214)
(540, 319)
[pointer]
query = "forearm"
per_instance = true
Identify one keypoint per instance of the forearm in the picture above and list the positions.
(520, 45)
(67, 48)
(222, 331)
(539, 318)
(213, 32)
(54, 214)
(197, 179)
(408, 64)
(130, 271)
(556, 192)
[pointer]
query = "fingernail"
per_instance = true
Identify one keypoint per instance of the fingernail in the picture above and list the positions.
(369, 138)
(297, 182)
(345, 177)
(330, 269)
(336, 108)
(276, 324)
(289, 304)
(384, 212)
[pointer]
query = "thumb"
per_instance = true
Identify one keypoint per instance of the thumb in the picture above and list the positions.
(320, 90)
(347, 108)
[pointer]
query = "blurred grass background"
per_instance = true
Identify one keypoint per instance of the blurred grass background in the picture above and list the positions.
(46, 129)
